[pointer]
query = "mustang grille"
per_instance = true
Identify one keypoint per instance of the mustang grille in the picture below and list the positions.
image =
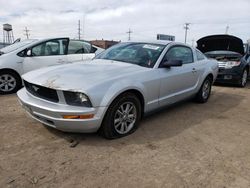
(42, 92)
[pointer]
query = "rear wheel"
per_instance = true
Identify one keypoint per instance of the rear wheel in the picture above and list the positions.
(122, 117)
(205, 91)
(10, 82)
(243, 80)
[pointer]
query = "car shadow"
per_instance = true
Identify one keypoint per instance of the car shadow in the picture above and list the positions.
(163, 124)
(231, 85)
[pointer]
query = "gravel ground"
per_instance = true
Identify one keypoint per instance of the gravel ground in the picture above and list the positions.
(188, 145)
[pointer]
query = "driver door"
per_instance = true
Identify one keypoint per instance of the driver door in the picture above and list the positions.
(178, 83)
(48, 53)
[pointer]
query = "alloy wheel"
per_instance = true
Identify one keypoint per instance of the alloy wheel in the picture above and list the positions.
(206, 89)
(7, 83)
(125, 117)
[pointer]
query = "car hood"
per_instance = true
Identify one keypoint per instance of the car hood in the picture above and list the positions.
(81, 76)
(220, 43)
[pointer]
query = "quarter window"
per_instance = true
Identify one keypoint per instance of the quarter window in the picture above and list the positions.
(79, 47)
(182, 53)
(49, 48)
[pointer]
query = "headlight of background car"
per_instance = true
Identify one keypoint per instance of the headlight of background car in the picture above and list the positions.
(231, 64)
(77, 99)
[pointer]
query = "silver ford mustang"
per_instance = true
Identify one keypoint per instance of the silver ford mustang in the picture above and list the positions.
(111, 93)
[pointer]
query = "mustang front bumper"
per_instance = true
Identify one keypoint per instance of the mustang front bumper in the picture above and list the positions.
(51, 114)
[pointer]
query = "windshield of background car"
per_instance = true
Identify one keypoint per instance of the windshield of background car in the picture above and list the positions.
(143, 54)
(15, 46)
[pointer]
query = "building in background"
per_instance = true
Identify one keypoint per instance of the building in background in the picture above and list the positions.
(165, 37)
(104, 43)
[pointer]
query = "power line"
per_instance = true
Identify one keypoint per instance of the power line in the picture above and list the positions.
(27, 34)
(186, 27)
(129, 34)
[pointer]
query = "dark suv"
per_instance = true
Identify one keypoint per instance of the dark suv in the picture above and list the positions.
(234, 63)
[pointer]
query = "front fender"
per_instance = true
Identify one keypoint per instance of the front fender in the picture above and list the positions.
(14, 64)
(119, 87)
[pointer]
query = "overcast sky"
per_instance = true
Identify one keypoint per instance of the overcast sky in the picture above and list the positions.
(111, 19)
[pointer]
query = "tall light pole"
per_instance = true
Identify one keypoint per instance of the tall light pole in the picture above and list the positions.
(227, 29)
(186, 27)
(79, 29)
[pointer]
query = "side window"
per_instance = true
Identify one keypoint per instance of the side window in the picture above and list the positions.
(200, 56)
(179, 53)
(79, 47)
(49, 48)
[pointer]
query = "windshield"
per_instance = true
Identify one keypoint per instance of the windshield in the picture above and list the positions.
(15, 46)
(143, 54)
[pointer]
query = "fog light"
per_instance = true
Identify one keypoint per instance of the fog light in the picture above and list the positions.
(85, 116)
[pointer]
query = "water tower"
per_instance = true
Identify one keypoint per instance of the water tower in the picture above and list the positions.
(8, 36)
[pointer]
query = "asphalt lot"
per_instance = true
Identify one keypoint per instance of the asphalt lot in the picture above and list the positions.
(188, 145)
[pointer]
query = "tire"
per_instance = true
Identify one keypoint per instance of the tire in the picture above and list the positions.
(10, 82)
(244, 77)
(122, 117)
(205, 91)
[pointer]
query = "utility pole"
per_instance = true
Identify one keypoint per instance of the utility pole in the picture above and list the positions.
(193, 42)
(129, 34)
(79, 29)
(186, 27)
(227, 29)
(26, 32)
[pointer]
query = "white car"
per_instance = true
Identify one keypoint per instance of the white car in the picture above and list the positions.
(28, 55)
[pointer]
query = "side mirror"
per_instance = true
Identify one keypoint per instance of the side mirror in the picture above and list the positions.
(172, 63)
(28, 53)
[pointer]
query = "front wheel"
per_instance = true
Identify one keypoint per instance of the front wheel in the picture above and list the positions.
(205, 91)
(9, 82)
(243, 80)
(122, 117)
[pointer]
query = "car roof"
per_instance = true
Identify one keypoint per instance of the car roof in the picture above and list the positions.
(160, 42)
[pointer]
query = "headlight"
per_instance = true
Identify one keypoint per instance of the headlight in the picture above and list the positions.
(77, 99)
(231, 64)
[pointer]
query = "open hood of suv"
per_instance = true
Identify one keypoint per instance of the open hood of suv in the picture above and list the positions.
(220, 43)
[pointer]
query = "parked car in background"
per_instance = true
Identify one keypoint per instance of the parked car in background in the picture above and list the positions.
(112, 92)
(234, 65)
(28, 55)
